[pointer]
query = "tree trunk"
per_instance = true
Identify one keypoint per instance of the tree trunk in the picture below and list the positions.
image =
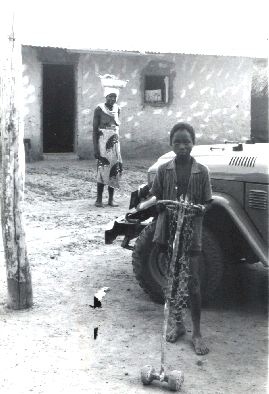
(13, 171)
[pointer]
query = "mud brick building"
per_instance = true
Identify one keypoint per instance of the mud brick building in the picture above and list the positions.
(62, 88)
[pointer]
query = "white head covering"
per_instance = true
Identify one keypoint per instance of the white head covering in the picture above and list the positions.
(108, 90)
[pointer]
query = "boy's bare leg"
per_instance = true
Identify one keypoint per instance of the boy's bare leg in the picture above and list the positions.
(178, 330)
(195, 304)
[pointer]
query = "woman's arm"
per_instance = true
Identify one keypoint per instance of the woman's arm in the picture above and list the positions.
(96, 123)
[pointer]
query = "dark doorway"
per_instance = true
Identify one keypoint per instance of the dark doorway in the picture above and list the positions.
(58, 108)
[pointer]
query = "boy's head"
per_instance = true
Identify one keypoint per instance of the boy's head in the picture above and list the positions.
(182, 126)
(182, 139)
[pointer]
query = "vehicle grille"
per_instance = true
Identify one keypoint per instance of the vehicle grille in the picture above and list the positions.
(257, 199)
(245, 161)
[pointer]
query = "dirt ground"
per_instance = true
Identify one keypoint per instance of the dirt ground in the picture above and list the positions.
(50, 348)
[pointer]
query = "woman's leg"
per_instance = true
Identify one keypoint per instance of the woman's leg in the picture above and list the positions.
(100, 189)
(111, 201)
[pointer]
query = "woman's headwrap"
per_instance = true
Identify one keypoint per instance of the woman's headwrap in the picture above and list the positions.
(108, 90)
(111, 84)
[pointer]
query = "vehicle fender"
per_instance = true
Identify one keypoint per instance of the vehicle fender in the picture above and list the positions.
(244, 224)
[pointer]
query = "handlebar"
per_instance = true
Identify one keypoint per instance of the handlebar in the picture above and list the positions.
(172, 203)
(178, 203)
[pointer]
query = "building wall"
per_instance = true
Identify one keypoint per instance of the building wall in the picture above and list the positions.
(32, 100)
(212, 93)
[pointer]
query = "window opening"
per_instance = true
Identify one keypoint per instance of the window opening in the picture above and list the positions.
(156, 89)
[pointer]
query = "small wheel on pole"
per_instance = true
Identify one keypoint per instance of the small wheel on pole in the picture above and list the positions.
(175, 380)
(147, 374)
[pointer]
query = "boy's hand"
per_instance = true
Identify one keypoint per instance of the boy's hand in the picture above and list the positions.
(201, 211)
(143, 191)
(160, 207)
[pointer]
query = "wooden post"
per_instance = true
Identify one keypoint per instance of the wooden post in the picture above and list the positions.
(13, 172)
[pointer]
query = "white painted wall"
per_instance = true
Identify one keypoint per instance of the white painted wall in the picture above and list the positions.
(212, 93)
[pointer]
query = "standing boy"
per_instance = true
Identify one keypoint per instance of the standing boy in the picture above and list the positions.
(184, 176)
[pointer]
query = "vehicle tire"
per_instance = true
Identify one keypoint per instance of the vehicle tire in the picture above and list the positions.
(212, 268)
(150, 262)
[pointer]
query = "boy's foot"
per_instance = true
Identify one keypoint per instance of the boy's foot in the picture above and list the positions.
(112, 204)
(199, 346)
(176, 332)
(99, 204)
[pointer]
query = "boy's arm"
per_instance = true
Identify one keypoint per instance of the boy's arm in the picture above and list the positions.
(207, 193)
(157, 185)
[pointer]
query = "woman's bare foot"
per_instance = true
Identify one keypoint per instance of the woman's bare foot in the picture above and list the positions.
(199, 346)
(176, 332)
(113, 203)
(99, 204)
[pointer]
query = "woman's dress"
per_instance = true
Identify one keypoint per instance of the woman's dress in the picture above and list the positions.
(109, 165)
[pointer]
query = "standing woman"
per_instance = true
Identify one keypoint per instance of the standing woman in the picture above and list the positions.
(106, 146)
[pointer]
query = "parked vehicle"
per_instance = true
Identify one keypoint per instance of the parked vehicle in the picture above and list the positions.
(234, 230)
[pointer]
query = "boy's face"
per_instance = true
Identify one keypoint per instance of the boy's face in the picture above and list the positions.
(182, 143)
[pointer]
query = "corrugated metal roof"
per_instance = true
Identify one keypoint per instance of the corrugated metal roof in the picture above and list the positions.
(120, 48)
(128, 53)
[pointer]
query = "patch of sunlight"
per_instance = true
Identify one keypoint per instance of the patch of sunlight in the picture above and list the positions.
(213, 136)
(216, 111)
(25, 80)
(193, 105)
(86, 111)
(199, 113)
(31, 99)
(222, 93)
(202, 91)
(158, 112)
